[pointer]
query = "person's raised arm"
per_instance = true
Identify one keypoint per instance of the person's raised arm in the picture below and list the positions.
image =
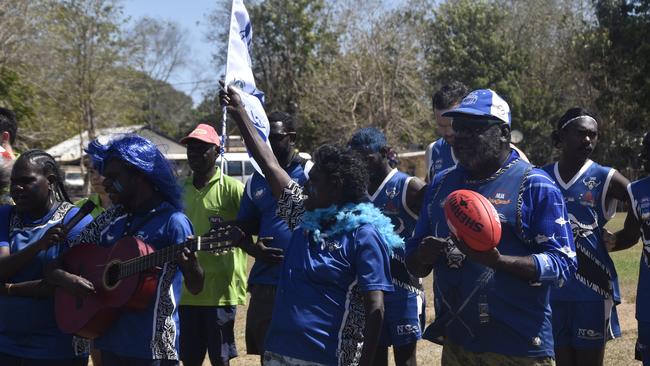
(277, 178)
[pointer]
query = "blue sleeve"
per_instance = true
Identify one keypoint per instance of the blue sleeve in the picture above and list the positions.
(5, 211)
(76, 230)
(179, 228)
(545, 221)
(422, 227)
(371, 260)
(247, 208)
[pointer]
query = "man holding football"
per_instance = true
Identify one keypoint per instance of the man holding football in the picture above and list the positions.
(492, 306)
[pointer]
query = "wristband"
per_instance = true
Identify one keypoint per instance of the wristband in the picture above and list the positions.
(9, 285)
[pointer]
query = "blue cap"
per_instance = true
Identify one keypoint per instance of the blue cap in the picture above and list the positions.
(482, 103)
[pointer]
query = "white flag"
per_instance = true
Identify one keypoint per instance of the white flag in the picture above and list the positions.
(239, 72)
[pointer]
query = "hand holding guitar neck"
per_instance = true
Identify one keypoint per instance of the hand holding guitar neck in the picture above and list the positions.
(124, 276)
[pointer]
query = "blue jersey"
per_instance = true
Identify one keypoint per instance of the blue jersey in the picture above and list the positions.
(390, 198)
(440, 156)
(259, 204)
(640, 197)
(585, 197)
(319, 295)
(483, 310)
(27, 325)
(151, 333)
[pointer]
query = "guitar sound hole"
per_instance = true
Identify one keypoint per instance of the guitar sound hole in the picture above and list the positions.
(113, 274)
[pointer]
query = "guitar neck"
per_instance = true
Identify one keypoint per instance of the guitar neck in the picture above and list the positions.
(218, 242)
(147, 262)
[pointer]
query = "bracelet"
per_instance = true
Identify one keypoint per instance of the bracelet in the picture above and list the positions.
(9, 285)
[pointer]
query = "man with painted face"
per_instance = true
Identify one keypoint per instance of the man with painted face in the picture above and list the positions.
(637, 224)
(258, 212)
(492, 307)
(396, 195)
(208, 318)
(584, 312)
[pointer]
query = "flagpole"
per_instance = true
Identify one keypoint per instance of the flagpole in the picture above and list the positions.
(224, 112)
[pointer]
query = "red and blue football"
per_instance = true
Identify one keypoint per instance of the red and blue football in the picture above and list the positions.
(473, 219)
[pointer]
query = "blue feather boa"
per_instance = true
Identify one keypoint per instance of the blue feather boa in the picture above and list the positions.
(348, 218)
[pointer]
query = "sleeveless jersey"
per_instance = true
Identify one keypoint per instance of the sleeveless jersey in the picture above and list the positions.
(390, 198)
(440, 156)
(585, 197)
(640, 196)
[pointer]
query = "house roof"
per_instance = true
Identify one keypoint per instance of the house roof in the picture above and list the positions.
(69, 150)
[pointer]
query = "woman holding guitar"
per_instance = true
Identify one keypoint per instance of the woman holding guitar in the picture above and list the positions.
(146, 205)
(32, 233)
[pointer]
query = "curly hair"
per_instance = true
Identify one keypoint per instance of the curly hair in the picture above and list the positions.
(345, 170)
(145, 157)
(368, 139)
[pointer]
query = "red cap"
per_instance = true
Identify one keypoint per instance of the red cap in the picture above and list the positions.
(204, 133)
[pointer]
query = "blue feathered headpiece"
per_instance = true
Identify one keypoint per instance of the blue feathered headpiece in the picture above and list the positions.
(143, 155)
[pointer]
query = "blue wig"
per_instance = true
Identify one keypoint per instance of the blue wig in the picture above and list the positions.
(144, 156)
(367, 139)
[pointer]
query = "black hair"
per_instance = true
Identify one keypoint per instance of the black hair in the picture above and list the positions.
(567, 116)
(345, 170)
(8, 123)
(287, 120)
(573, 113)
(5, 175)
(48, 166)
(449, 95)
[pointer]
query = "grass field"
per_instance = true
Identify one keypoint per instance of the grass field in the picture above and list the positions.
(619, 351)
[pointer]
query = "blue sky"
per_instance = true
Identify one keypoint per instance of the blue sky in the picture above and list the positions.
(191, 15)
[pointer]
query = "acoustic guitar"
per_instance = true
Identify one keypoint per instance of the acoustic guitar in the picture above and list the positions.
(124, 277)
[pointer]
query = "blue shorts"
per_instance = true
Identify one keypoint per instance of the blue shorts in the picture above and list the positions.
(642, 349)
(208, 328)
(584, 324)
(401, 321)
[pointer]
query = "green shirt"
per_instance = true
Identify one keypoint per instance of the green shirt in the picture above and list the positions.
(225, 274)
(94, 198)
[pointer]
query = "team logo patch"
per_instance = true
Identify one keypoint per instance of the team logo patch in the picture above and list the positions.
(405, 329)
(589, 334)
(499, 199)
(332, 246)
(644, 209)
(591, 182)
(259, 192)
(471, 98)
(391, 192)
(587, 199)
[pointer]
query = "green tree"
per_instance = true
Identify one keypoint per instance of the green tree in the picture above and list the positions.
(523, 51)
(617, 58)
